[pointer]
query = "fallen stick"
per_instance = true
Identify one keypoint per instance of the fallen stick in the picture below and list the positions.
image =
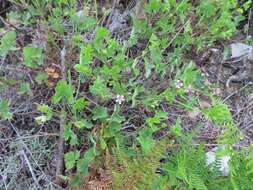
(60, 156)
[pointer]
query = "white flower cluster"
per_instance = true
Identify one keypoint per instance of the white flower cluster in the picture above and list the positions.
(120, 99)
(179, 84)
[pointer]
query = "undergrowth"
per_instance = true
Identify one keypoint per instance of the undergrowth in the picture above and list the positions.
(97, 80)
(137, 170)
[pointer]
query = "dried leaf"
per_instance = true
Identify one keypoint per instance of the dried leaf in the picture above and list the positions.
(55, 75)
(50, 70)
(50, 84)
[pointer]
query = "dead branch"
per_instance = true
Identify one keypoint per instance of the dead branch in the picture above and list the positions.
(115, 2)
(60, 156)
(8, 24)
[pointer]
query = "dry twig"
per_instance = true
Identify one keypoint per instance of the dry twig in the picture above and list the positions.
(60, 163)
(22, 152)
(8, 24)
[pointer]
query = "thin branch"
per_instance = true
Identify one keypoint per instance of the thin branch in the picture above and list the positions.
(60, 156)
(30, 168)
(236, 92)
(8, 24)
(16, 69)
(63, 66)
(248, 24)
(32, 136)
(115, 2)
(4, 181)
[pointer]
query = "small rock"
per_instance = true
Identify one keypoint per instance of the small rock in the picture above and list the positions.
(240, 49)
(224, 160)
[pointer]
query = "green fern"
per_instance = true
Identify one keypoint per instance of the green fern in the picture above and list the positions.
(241, 167)
(195, 182)
(136, 170)
(187, 169)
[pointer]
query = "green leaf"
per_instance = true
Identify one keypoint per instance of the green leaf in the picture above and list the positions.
(82, 21)
(155, 53)
(83, 124)
(112, 129)
(41, 119)
(137, 91)
(86, 55)
(83, 69)
(153, 120)
(161, 115)
(103, 143)
(69, 134)
(117, 118)
(41, 77)
(70, 159)
(146, 140)
(4, 110)
(99, 113)
(153, 6)
(83, 163)
(63, 91)
(207, 9)
(45, 109)
(219, 113)
(190, 74)
(177, 129)
(114, 124)
(76, 181)
(79, 105)
(246, 5)
(24, 88)
(48, 113)
(99, 88)
(32, 57)
(113, 47)
(148, 67)
(7, 43)
(169, 95)
(101, 33)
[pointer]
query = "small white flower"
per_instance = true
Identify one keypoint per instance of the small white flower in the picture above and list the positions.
(120, 99)
(187, 90)
(179, 84)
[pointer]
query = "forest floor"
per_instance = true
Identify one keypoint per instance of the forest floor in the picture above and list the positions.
(29, 150)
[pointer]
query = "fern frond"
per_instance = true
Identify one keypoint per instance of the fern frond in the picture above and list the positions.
(195, 182)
